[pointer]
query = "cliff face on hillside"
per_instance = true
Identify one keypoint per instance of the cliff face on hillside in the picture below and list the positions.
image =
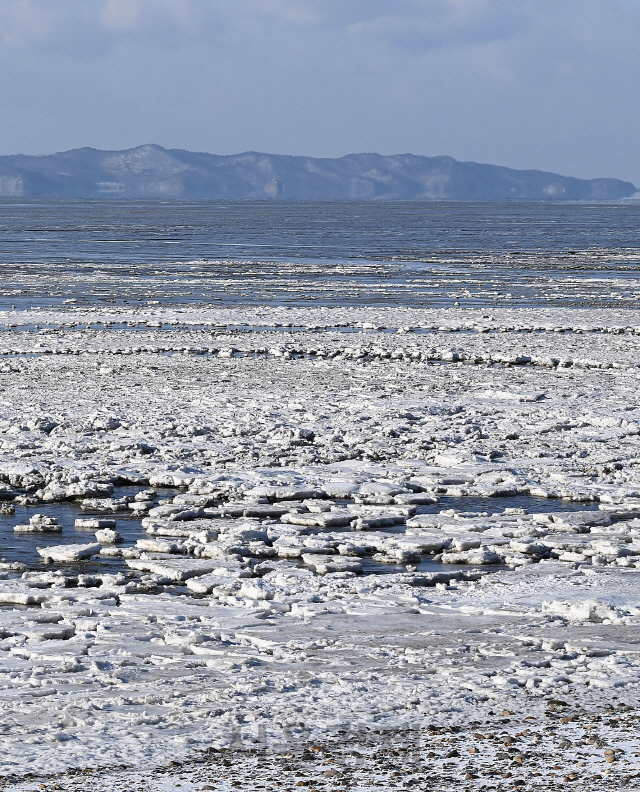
(154, 172)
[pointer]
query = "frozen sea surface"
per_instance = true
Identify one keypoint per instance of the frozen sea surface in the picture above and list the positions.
(363, 535)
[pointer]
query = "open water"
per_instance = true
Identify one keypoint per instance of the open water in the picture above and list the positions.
(319, 253)
(23, 547)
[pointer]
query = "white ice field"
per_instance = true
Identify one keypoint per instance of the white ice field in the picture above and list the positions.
(336, 523)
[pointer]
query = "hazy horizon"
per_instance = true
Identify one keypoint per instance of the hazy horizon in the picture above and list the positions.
(287, 154)
(150, 171)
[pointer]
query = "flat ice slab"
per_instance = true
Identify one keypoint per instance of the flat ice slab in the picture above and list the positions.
(70, 552)
(323, 564)
(177, 569)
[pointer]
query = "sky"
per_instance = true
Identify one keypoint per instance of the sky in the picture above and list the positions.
(547, 84)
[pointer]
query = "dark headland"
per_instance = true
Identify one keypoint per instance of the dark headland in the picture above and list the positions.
(154, 172)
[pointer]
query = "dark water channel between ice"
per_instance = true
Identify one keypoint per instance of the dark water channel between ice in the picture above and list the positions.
(22, 547)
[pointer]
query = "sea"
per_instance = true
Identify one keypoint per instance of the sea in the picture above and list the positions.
(414, 253)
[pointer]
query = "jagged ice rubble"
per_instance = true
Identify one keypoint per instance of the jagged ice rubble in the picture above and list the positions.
(249, 528)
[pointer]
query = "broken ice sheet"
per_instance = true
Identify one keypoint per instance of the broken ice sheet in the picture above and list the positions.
(289, 523)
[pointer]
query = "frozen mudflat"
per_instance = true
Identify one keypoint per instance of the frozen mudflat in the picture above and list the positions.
(326, 547)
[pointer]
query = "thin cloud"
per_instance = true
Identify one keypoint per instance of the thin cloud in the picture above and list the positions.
(411, 23)
(90, 29)
(76, 26)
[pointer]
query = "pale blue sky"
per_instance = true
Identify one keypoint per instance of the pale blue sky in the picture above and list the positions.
(549, 84)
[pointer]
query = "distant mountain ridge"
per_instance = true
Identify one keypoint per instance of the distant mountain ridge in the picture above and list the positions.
(151, 171)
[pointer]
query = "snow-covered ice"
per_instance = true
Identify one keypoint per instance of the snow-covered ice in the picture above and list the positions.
(363, 534)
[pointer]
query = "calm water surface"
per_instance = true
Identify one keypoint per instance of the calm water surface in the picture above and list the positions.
(322, 253)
